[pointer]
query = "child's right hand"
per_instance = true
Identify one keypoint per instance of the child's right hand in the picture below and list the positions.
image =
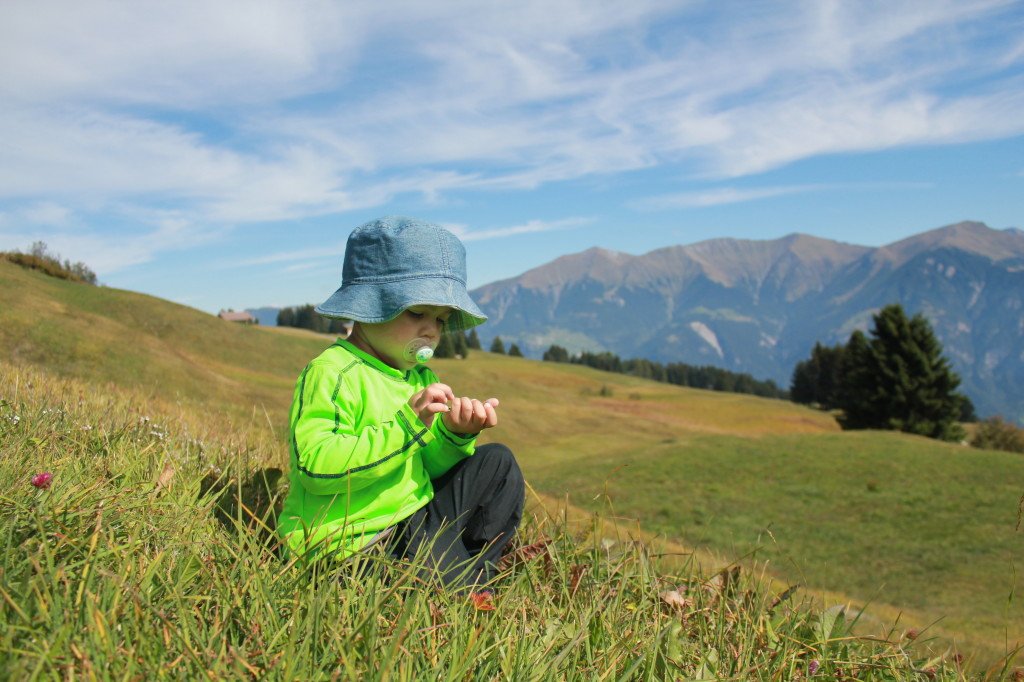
(431, 400)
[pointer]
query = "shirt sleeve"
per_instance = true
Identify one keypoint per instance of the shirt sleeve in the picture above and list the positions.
(332, 456)
(447, 448)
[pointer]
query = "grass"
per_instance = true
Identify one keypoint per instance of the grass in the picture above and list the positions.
(921, 533)
(124, 569)
(931, 528)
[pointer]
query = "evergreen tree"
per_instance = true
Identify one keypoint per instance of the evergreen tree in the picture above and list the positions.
(461, 345)
(473, 341)
(899, 379)
(556, 354)
(497, 346)
(816, 380)
(286, 317)
(445, 347)
(514, 351)
(804, 382)
(855, 394)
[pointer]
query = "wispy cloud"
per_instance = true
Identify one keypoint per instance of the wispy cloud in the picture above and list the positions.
(304, 259)
(528, 227)
(48, 213)
(719, 196)
(307, 256)
(306, 109)
(139, 236)
(716, 197)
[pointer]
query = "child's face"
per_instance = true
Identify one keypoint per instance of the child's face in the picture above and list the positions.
(387, 341)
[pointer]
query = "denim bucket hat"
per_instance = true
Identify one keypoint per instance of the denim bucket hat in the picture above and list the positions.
(394, 263)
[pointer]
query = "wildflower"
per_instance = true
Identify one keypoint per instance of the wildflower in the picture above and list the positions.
(911, 634)
(42, 480)
(482, 600)
(813, 666)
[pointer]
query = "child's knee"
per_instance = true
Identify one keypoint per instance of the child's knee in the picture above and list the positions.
(499, 458)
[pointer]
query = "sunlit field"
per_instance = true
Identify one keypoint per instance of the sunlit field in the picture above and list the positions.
(164, 430)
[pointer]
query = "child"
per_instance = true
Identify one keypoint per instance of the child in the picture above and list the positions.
(379, 447)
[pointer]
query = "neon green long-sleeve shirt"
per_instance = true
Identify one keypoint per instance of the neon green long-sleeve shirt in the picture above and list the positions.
(361, 459)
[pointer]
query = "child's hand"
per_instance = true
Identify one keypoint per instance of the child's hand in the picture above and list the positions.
(431, 400)
(470, 416)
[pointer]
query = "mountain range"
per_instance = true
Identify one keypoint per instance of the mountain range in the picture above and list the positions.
(760, 306)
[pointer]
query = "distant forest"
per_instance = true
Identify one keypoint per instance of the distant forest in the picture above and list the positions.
(452, 344)
(678, 373)
(304, 317)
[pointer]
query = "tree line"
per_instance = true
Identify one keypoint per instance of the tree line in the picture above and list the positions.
(42, 259)
(451, 344)
(305, 317)
(678, 373)
(898, 379)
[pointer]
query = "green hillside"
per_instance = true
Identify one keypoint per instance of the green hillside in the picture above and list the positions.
(130, 339)
(903, 524)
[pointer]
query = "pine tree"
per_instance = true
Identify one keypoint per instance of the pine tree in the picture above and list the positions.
(856, 393)
(445, 347)
(900, 380)
(497, 346)
(556, 354)
(816, 380)
(473, 341)
(514, 351)
(286, 317)
(804, 383)
(460, 344)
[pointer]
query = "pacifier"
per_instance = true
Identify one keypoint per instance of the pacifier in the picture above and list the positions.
(418, 350)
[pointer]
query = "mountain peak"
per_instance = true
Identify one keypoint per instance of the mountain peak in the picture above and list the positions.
(969, 236)
(594, 263)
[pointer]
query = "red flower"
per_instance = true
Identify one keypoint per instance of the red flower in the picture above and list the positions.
(42, 480)
(482, 601)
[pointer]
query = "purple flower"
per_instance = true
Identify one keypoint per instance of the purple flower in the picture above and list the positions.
(813, 666)
(42, 480)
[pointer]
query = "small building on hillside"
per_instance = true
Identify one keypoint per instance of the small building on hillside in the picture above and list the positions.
(242, 317)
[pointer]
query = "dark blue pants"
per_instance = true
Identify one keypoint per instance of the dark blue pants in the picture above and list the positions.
(476, 510)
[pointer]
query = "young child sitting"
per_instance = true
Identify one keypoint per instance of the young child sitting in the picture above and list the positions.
(379, 447)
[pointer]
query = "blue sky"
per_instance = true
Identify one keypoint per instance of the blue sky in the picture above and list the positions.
(217, 154)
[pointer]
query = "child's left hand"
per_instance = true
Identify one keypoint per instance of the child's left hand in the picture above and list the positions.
(470, 416)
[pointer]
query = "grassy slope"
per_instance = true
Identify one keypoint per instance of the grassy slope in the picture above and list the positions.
(906, 523)
(131, 339)
(712, 470)
(121, 570)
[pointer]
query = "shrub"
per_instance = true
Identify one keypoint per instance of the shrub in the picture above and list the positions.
(40, 258)
(996, 433)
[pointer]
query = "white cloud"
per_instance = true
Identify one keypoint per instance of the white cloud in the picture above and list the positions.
(141, 235)
(719, 196)
(716, 197)
(529, 227)
(48, 213)
(238, 112)
(301, 259)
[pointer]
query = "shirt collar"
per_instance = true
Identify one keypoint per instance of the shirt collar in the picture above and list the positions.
(370, 360)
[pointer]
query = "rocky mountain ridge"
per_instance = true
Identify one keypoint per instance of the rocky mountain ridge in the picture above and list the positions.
(759, 306)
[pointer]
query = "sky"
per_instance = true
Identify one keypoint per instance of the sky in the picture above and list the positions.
(217, 154)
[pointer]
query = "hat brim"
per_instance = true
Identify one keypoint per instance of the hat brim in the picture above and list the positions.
(378, 302)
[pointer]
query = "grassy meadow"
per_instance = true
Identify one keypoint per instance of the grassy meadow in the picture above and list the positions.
(125, 568)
